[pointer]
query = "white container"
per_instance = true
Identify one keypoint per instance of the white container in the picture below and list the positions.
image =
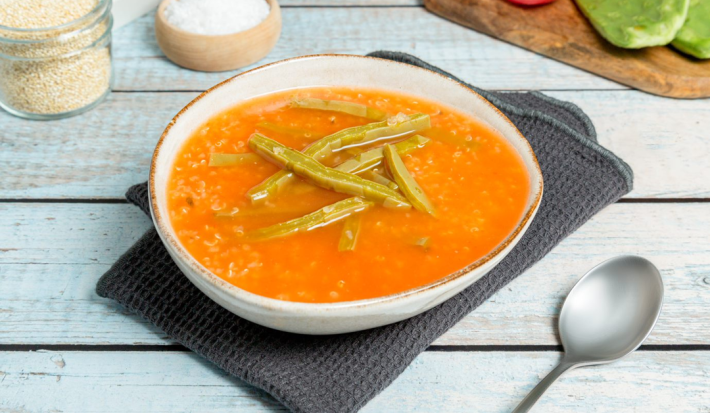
(125, 11)
(332, 70)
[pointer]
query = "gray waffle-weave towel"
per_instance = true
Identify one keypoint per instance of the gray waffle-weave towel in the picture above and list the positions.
(342, 373)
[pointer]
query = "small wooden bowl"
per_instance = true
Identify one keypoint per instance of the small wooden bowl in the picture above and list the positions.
(217, 53)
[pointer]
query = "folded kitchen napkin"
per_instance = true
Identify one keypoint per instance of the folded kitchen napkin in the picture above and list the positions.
(341, 373)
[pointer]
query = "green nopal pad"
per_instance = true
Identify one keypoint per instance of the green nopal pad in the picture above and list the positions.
(633, 24)
(694, 37)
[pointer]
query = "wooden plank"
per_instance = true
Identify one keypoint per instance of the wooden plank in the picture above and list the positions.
(665, 141)
(51, 256)
(100, 154)
(489, 63)
(96, 155)
(462, 382)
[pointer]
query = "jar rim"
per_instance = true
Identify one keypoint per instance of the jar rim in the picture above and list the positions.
(99, 42)
(99, 5)
(65, 36)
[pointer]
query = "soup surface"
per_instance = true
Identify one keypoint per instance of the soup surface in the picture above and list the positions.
(474, 179)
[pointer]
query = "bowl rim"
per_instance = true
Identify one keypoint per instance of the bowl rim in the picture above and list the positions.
(294, 307)
(274, 9)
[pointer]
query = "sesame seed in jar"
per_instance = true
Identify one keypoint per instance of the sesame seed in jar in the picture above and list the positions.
(63, 64)
(37, 14)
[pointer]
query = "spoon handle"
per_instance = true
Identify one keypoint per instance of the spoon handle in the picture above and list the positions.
(534, 395)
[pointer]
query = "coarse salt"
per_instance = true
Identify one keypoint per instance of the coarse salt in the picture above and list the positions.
(215, 17)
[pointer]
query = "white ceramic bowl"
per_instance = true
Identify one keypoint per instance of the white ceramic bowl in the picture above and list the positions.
(332, 70)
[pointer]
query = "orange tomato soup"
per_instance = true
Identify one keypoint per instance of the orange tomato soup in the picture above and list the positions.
(474, 178)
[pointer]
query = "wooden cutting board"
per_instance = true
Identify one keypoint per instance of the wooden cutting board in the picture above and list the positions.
(560, 31)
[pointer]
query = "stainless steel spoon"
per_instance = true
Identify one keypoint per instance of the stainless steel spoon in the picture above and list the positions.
(606, 316)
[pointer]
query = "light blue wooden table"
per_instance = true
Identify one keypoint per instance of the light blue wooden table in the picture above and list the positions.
(63, 222)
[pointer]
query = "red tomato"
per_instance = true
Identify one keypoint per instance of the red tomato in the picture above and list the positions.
(531, 2)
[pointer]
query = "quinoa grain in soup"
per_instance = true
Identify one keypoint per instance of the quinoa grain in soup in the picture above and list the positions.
(323, 195)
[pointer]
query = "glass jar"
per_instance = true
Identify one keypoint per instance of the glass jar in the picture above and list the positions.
(56, 72)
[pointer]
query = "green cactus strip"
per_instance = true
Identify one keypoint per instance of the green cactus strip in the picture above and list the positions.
(694, 37)
(633, 24)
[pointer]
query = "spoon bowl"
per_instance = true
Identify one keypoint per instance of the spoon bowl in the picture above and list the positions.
(611, 310)
(607, 315)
